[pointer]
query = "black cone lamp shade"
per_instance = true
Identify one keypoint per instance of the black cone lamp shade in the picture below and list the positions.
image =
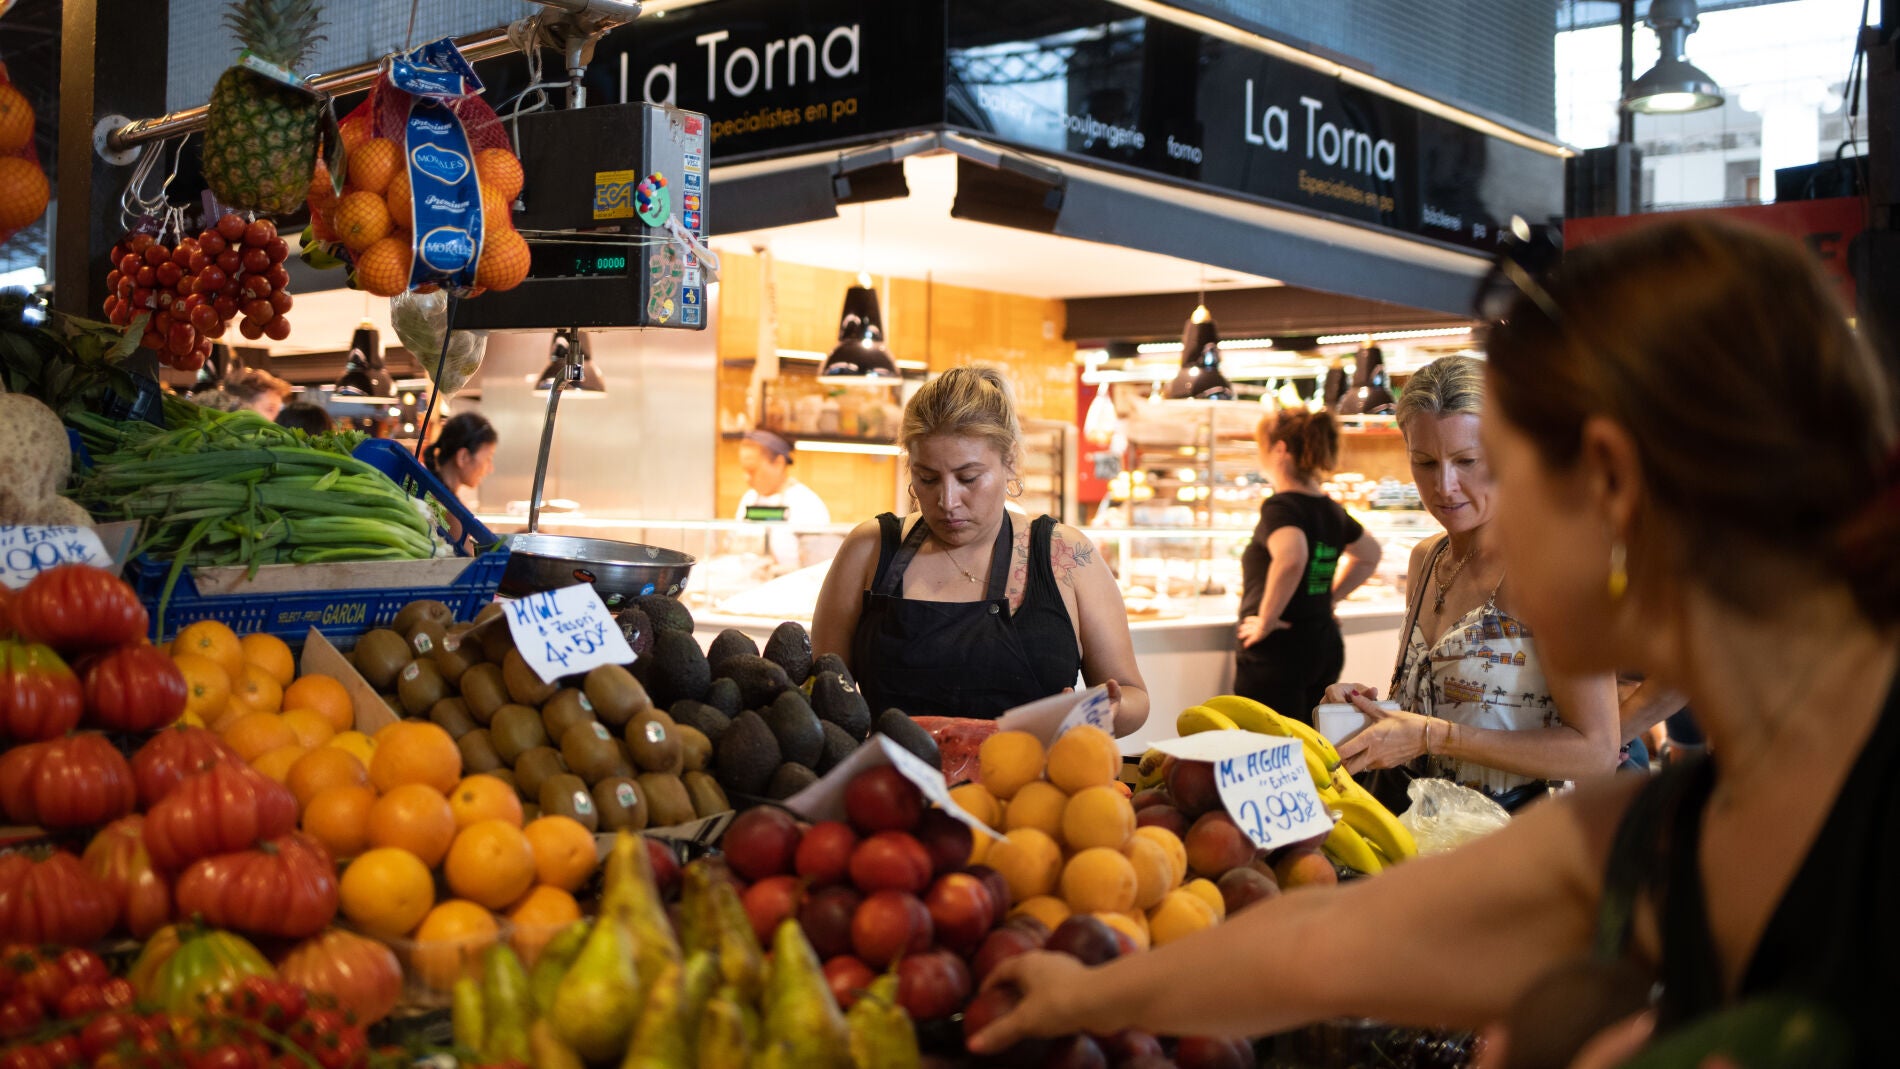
(559, 359)
(1369, 395)
(363, 373)
(860, 355)
(1674, 85)
(1200, 377)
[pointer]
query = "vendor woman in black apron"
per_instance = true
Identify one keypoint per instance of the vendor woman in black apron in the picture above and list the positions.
(967, 608)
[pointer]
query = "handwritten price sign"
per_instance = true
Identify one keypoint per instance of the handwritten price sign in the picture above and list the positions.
(1263, 784)
(562, 632)
(27, 551)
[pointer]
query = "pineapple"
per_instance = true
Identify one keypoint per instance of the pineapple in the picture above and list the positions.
(261, 135)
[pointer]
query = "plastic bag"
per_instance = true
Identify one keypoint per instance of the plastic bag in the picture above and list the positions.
(1445, 816)
(419, 319)
(957, 741)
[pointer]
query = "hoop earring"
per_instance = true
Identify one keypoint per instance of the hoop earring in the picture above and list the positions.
(1014, 488)
(1619, 571)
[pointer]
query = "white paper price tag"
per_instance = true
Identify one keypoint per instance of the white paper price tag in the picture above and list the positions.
(1095, 710)
(1047, 718)
(824, 800)
(1263, 784)
(562, 632)
(26, 551)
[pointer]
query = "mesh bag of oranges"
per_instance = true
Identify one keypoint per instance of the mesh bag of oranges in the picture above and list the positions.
(23, 187)
(424, 195)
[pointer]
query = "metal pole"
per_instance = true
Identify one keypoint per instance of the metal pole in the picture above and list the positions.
(1625, 118)
(569, 371)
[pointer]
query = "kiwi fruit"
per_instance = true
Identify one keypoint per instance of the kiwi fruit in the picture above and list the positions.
(590, 753)
(484, 691)
(654, 741)
(426, 637)
(497, 640)
(622, 804)
(380, 654)
(534, 768)
(515, 730)
(421, 611)
(567, 708)
(707, 796)
(615, 695)
(667, 801)
(420, 685)
(452, 663)
(530, 811)
(478, 754)
(523, 684)
(451, 715)
(566, 795)
(695, 748)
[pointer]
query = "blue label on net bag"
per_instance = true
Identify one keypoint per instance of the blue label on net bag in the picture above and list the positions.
(446, 194)
(437, 69)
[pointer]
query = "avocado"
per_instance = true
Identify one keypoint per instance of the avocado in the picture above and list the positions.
(667, 801)
(622, 804)
(451, 715)
(379, 655)
(707, 795)
(678, 669)
(831, 662)
(523, 684)
(838, 700)
(711, 722)
(615, 695)
(484, 691)
(567, 796)
(590, 752)
(420, 685)
(789, 780)
(419, 611)
(723, 695)
(637, 630)
(534, 768)
(666, 613)
(800, 739)
(478, 754)
(730, 643)
(746, 755)
(654, 741)
(695, 748)
(838, 746)
(759, 680)
(895, 725)
(515, 730)
(568, 708)
(790, 649)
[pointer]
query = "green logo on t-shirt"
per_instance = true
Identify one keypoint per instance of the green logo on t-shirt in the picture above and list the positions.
(1319, 573)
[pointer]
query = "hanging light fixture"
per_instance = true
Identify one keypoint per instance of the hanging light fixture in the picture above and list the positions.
(364, 375)
(576, 367)
(1369, 395)
(1200, 377)
(860, 355)
(1673, 85)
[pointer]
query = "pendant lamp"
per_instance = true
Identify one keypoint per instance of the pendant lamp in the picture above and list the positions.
(576, 368)
(1673, 85)
(860, 356)
(364, 374)
(1200, 377)
(1369, 395)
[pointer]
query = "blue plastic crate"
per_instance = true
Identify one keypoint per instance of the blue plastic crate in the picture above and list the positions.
(406, 471)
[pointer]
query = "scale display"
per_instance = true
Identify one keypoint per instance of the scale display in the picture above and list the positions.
(561, 259)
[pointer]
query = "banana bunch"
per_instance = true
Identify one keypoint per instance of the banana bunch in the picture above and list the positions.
(1366, 836)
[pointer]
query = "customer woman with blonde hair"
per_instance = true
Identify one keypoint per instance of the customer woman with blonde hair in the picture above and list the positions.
(963, 609)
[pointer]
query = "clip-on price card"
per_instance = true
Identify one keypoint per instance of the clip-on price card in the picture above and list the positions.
(1048, 718)
(824, 800)
(564, 632)
(1263, 784)
(28, 550)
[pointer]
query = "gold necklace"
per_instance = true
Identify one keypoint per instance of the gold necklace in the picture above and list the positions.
(1444, 581)
(953, 561)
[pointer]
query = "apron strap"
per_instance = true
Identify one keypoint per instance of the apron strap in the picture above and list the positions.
(1000, 558)
(892, 584)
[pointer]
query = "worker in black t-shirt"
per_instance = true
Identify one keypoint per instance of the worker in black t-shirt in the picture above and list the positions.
(1307, 553)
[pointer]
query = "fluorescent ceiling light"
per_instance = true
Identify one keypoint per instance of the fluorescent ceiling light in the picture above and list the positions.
(1392, 335)
(875, 449)
(1150, 347)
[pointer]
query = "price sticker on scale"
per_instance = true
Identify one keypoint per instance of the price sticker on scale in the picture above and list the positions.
(563, 632)
(26, 551)
(1263, 784)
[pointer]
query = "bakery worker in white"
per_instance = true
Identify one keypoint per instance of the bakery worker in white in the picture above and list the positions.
(774, 494)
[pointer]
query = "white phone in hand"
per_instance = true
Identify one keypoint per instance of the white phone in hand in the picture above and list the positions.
(1340, 721)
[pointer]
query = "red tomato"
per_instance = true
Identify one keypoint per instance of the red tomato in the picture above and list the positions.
(286, 888)
(79, 607)
(362, 974)
(232, 1055)
(135, 688)
(80, 1001)
(46, 983)
(53, 901)
(107, 1031)
(19, 1016)
(84, 967)
(40, 697)
(268, 1000)
(27, 1056)
(328, 1037)
(77, 781)
(63, 1050)
(172, 756)
(117, 856)
(226, 808)
(118, 993)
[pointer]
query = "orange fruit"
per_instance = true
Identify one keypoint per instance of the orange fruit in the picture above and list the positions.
(255, 734)
(1036, 805)
(1154, 870)
(504, 260)
(1097, 816)
(1084, 757)
(323, 768)
(1007, 760)
(499, 168)
(1099, 880)
(338, 817)
(354, 132)
(497, 211)
(491, 863)
(271, 654)
(415, 751)
(539, 917)
(23, 192)
(16, 122)
(383, 268)
(359, 745)
(234, 711)
(215, 642)
(207, 686)
(415, 818)
(325, 695)
(386, 893)
(401, 210)
(1030, 861)
(372, 164)
(450, 942)
(311, 728)
(256, 690)
(321, 195)
(362, 219)
(483, 797)
(564, 851)
(277, 763)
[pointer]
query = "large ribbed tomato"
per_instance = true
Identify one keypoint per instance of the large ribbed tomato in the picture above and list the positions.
(39, 696)
(118, 858)
(53, 901)
(78, 781)
(361, 973)
(78, 607)
(285, 888)
(173, 756)
(181, 967)
(134, 688)
(226, 808)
